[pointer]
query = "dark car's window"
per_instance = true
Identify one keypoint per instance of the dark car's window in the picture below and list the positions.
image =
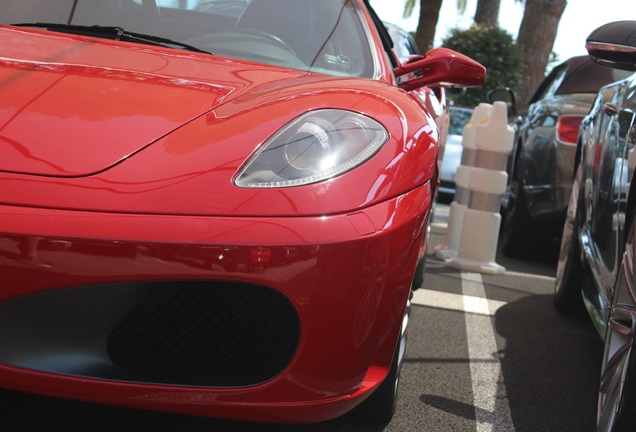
(325, 36)
(551, 84)
(555, 84)
(577, 75)
(586, 76)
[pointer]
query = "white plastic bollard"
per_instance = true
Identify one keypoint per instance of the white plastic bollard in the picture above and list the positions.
(457, 208)
(450, 247)
(480, 230)
(481, 221)
(481, 116)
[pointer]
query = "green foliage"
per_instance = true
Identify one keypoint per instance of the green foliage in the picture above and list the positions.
(495, 49)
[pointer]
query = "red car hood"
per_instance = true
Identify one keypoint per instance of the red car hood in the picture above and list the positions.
(70, 106)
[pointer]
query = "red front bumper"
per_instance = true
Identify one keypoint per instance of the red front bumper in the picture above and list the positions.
(346, 278)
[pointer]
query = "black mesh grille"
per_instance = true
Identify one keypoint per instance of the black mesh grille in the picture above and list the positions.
(215, 334)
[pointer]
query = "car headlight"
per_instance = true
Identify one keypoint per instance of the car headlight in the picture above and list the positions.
(316, 146)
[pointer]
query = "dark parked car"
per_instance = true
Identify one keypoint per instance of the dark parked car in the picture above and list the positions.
(598, 249)
(543, 155)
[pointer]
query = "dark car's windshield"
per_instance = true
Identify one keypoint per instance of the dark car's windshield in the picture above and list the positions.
(324, 36)
(576, 75)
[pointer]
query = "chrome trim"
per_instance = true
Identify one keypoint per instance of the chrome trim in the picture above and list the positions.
(592, 45)
(599, 317)
(538, 188)
(403, 333)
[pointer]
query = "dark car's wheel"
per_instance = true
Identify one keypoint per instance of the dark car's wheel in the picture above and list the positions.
(517, 235)
(567, 288)
(617, 390)
(418, 279)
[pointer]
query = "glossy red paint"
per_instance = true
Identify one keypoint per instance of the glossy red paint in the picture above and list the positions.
(119, 172)
(104, 100)
(334, 281)
(210, 150)
(440, 66)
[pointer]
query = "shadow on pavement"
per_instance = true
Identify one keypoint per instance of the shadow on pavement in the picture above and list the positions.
(548, 358)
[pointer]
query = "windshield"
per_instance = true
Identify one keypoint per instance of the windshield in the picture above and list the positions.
(324, 36)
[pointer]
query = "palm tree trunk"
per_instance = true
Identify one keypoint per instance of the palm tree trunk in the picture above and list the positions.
(487, 13)
(536, 37)
(429, 15)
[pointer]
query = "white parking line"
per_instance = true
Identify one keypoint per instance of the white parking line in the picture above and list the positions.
(530, 276)
(489, 391)
(456, 302)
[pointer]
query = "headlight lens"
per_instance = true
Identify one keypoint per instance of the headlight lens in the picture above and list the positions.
(315, 146)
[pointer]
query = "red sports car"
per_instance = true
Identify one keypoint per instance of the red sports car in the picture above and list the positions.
(212, 207)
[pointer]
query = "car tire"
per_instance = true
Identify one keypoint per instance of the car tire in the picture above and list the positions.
(517, 234)
(418, 279)
(568, 297)
(617, 389)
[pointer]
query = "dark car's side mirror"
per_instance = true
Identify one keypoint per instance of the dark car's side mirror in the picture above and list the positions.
(441, 67)
(614, 45)
(504, 94)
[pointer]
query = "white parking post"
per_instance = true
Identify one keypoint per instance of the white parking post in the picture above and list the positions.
(480, 228)
(450, 247)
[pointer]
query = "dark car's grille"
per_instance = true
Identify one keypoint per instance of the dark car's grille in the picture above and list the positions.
(219, 334)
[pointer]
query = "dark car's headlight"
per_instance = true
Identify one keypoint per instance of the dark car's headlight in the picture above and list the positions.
(315, 146)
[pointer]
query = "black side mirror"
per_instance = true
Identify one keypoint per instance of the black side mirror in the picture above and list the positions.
(504, 94)
(614, 45)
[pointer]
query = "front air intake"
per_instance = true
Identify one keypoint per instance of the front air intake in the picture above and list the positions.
(207, 333)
